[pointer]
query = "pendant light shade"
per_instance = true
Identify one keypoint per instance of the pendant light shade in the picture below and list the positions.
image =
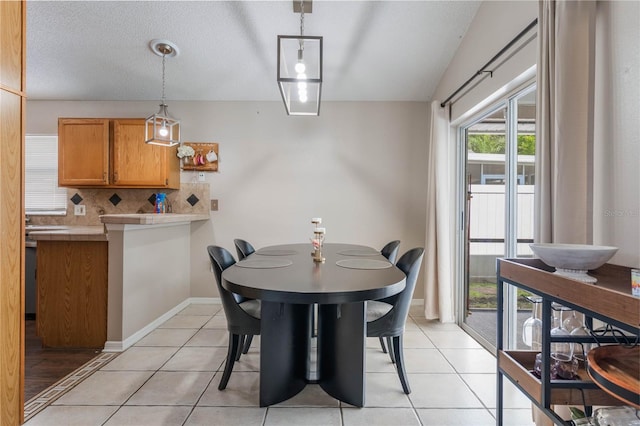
(300, 68)
(161, 128)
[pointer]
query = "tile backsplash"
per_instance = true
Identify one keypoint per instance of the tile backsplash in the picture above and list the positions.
(191, 198)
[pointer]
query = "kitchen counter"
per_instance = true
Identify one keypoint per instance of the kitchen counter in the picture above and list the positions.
(142, 279)
(151, 218)
(140, 276)
(98, 233)
(65, 233)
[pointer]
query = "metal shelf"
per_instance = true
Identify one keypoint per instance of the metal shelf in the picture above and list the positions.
(609, 301)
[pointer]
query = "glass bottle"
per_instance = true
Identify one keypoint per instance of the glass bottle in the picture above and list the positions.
(532, 327)
(580, 350)
(563, 365)
(571, 322)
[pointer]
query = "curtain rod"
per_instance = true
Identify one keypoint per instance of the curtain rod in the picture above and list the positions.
(484, 68)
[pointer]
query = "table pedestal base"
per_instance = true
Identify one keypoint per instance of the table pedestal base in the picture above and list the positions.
(342, 336)
(285, 339)
(285, 351)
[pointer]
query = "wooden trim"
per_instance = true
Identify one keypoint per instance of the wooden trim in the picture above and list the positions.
(11, 259)
(23, 92)
(13, 119)
(6, 88)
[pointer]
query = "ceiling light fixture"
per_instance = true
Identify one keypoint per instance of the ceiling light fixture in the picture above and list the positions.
(300, 67)
(161, 128)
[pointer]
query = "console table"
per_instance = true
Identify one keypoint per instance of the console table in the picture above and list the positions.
(609, 300)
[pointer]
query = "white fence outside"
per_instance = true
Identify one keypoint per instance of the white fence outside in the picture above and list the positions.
(487, 221)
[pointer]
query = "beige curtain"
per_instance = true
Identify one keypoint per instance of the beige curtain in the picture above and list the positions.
(564, 135)
(439, 294)
(564, 189)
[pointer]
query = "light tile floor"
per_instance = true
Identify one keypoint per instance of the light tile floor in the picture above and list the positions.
(170, 377)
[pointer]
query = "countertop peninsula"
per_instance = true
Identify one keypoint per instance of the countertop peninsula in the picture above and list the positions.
(151, 218)
(98, 232)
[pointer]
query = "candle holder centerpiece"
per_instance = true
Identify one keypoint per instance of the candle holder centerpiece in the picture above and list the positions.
(317, 240)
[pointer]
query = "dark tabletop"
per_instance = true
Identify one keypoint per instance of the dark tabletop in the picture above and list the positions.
(305, 281)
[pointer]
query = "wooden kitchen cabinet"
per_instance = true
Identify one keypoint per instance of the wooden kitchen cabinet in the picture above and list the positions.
(83, 152)
(112, 153)
(72, 293)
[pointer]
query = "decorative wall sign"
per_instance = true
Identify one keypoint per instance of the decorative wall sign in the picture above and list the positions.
(205, 157)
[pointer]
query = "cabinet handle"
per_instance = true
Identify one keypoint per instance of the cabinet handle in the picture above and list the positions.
(115, 176)
(104, 176)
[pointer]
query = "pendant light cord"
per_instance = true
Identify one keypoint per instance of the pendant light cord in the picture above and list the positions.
(301, 24)
(163, 60)
(301, 17)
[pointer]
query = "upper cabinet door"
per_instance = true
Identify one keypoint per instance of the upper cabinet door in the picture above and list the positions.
(108, 152)
(12, 51)
(83, 152)
(136, 163)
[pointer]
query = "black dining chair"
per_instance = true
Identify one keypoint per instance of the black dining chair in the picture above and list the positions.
(243, 318)
(243, 248)
(390, 250)
(387, 320)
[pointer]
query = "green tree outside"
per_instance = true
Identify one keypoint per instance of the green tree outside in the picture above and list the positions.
(527, 144)
(495, 144)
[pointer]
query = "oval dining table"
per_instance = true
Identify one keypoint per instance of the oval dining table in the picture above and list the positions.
(289, 283)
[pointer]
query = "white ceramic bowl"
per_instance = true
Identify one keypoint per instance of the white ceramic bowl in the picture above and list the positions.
(574, 260)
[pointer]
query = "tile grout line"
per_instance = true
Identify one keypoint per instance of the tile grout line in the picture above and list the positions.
(145, 382)
(193, 407)
(341, 406)
(39, 402)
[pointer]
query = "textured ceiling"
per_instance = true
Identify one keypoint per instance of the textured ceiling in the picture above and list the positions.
(373, 50)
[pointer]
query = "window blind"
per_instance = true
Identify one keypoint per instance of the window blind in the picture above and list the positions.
(41, 193)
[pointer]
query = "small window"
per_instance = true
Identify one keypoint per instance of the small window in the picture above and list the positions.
(41, 192)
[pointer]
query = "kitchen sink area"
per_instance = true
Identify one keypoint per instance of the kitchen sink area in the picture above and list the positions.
(28, 229)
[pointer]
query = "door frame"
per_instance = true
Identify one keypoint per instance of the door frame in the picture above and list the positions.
(509, 103)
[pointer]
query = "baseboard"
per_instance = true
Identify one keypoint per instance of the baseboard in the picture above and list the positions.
(204, 300)
(113, 346)
(120, 346)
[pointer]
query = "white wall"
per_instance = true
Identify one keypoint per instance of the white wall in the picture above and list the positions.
(496, 23)
(359, 166)
(616, 213)
(146, 263)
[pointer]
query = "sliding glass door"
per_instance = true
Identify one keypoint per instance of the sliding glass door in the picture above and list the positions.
(496, 193)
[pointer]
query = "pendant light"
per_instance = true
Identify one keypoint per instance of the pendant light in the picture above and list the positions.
(160, 128)
(300, 67)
